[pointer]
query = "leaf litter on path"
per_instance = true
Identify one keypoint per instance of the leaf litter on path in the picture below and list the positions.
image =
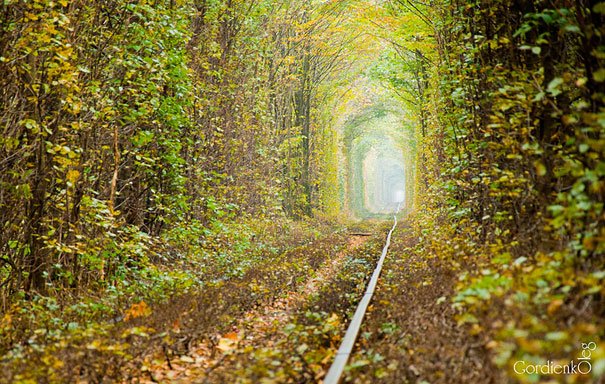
(261, 327)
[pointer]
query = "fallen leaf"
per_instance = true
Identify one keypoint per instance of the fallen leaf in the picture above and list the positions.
(228, 342)
(554, 306)
(187, 359)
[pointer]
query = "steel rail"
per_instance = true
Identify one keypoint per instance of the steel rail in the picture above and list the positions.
(342, 356)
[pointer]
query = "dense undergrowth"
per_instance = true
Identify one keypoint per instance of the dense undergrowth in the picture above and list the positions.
(509, 201)
(107, 334)
(514, 182)
(127, 125)
(150, 151)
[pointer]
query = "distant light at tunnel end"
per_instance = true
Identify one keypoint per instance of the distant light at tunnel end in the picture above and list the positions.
(399, 196)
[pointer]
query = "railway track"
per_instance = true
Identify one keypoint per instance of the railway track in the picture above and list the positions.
(344, 351)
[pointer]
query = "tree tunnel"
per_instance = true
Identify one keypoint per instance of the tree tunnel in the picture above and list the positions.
(379, 151)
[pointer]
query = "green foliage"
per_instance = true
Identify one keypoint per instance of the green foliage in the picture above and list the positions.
(514, 160)
(145, 117)
(152, 149)
(149, 149)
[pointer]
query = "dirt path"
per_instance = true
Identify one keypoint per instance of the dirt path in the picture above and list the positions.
(218, 356)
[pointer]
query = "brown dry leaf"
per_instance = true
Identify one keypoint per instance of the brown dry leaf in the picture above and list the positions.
(172, 375)
(228, 342)
(187, 359)
(414, 370)
(554, 306)
(492, 344)
(176, 326)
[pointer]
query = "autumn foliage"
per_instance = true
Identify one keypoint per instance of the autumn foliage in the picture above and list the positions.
(169, 167)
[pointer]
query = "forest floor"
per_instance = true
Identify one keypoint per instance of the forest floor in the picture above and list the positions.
(281, 321)
(221, 358)
(410, 334)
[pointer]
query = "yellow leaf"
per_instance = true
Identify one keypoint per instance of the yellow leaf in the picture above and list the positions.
(554, 306)
(225, 344)
(475, 329)
(540, 168)
(72, 175)
(31, 16)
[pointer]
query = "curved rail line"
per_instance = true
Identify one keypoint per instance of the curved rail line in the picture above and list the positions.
(342, 356)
